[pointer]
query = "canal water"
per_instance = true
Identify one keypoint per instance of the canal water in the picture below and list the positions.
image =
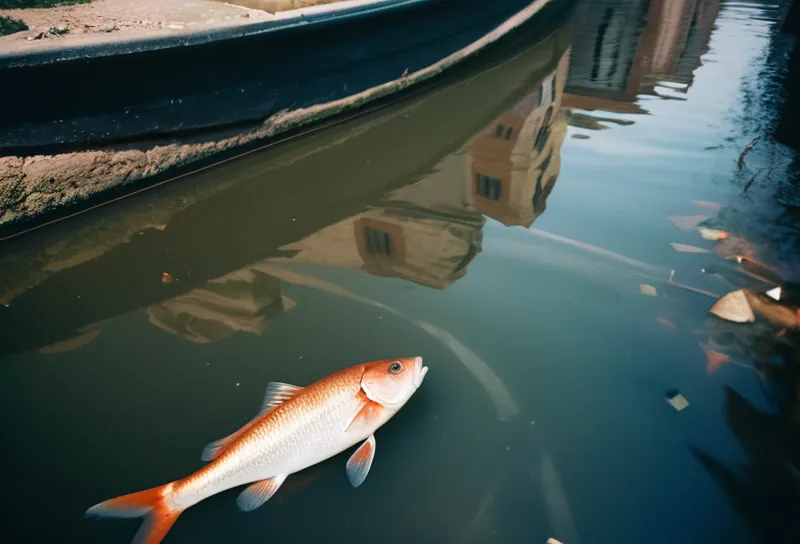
(514, 227)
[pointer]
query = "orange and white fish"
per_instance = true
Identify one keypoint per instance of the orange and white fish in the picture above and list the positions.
(297, 427)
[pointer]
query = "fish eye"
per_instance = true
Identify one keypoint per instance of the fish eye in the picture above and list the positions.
(396, 367)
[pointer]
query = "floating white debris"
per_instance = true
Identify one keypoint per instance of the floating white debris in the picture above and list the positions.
(666, 322)
(707, 204)
(683, 248)
(677, 400)
(734, 307)
(647, 290)
(712, 234)
(687, 222)
(774, 293)
(553, 541)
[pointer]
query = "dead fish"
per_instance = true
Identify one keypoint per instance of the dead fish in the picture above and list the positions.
(298, 427)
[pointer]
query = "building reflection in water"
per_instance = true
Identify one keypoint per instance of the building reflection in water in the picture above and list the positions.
(515, 163)
(625, 48)
(242, 301)
(426, 232)
(429, 231)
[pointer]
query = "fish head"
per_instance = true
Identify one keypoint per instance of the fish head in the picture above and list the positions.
(391, 382)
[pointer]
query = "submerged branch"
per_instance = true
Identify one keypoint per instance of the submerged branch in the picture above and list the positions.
(746, 150)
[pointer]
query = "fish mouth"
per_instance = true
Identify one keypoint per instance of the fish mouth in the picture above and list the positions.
(419, 375)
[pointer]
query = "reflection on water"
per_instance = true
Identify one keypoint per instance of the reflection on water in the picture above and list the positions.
(242, 301)
(628, 48)
(465, 226)
(426, 230)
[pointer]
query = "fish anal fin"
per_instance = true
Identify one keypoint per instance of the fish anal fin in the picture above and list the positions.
(259, 493)
(359, 463)
(365, 418)
(277, 393)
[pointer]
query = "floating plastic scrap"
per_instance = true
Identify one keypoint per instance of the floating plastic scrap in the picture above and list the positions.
(687, 222)
(553, 541)
(712, 234)
(714, 360)
(734, 307)
(732, 247)
(683, 248)
(707, 204)
(677, 400)
(774, 293)
(647, 290)
(666, 322)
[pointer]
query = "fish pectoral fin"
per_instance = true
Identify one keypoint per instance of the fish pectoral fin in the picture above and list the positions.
(277, 393)
(259, 493)
(365, 417)
(359, 463)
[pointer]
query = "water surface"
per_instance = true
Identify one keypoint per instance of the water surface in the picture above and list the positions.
(502, 226)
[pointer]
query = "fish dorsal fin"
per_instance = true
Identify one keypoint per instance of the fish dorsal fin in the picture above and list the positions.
(259, 493)
(277, 393)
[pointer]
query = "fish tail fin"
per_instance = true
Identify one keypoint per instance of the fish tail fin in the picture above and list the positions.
(153, 504)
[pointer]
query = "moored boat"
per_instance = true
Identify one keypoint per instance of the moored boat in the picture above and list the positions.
(168, 105)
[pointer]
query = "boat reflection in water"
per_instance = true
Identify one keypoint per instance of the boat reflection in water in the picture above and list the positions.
(426, 232)
(340, 198)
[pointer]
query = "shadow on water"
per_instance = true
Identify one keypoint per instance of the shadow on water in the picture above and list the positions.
(765, 488)
(249, 270)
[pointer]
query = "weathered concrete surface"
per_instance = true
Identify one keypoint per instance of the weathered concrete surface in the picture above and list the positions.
(103, 20)
(109, 20)
(31, 186)
(274, 6)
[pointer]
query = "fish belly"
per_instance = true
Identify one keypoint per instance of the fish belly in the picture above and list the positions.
(296, 445)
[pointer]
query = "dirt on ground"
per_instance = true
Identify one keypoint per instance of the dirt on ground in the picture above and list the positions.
(111, 20)
(122, 16)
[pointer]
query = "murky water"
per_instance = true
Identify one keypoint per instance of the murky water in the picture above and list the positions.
(512, 227)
